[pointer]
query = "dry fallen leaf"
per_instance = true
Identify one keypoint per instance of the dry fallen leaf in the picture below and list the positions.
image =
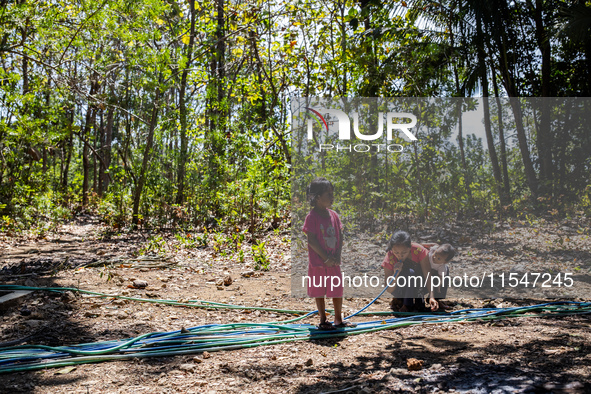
(65, 370)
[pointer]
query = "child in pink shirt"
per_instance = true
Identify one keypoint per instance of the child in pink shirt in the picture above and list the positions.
(325, 242)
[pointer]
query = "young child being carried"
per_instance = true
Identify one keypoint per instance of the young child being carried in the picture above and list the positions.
(325, 242)
(410, 260)
(439, 258)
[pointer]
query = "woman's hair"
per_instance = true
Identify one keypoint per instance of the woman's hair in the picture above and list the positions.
(316, 188)
(399, 238)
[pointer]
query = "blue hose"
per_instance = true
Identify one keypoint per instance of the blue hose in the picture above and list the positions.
(374, 300)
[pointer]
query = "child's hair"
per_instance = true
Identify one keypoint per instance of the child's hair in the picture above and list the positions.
(448, 250)
(316, 188)
(399, 238)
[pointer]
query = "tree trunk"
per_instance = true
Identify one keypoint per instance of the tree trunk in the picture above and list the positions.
(98, 138)
(183, 110)
(544, 138)
(418, 177)
(343, 49)
(506, 184)
(505, 68)
(275, 97)
(487, 126)
(530, 173)
(220, 50)
(88, 123)
(460, 92)
(467, 176)
(106, 149)
(67, 149)
(492, 150)
(147, 151)
(25, 62)
(216, 109)
(371, 88)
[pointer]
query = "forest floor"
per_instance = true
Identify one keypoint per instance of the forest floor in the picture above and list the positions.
(513, 355)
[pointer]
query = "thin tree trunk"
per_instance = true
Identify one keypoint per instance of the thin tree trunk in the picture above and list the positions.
(98, 131)
(467, 174)
(418, 166)
(183, 110)
(530, 173)
(487, 126)
(492, 151)
(543, 144)
(101, 169)
(107, 151)
(544, 138)
(147, 153)
(220, 49)
(88, 123)
(344, 50)
(25, 63)
(460, 91)
(506, 184)
(68, 148)
(216, 108)
(372, 86)
(274, 101)
(509, 84)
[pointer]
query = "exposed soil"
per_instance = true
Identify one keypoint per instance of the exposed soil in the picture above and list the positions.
(513, 355)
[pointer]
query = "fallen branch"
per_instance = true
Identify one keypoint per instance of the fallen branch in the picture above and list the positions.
(339, 391)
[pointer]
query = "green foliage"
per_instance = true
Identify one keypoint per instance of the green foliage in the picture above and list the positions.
(106, 272)
(260, 256)
(192, 241)
(156, 244)
(220, 156)
(586, 200)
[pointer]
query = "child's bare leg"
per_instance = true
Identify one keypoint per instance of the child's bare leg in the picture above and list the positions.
(321, 309)
(338, 307)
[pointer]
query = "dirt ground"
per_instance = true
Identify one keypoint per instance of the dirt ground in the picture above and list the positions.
(512, 355)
